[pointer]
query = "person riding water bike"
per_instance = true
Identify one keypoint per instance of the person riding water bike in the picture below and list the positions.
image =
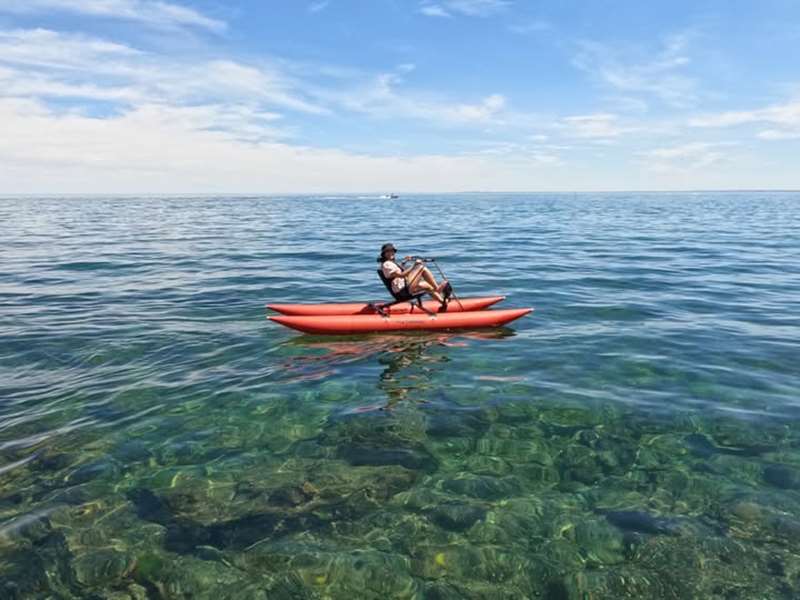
(416, 279)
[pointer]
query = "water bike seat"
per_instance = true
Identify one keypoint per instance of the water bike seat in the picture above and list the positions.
(398, 298)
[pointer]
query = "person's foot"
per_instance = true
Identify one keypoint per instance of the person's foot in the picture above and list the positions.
(447, 291)
(442, 285)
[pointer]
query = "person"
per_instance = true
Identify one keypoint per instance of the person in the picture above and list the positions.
(414, 280)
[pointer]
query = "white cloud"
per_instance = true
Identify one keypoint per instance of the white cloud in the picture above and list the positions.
(595, 126)
(530, 27)
(382, 98)
(14, 83)
(522, 152)
(163, 150)
(686, 157)
(434, 10)
(316, 7)
(469, 8)
(777, 134)
(626, 104)
(477, 8)
(784, 120)
(45, 48)
(166, 121)
(42, 63)
(151, 122)
(225, 79)
(654, 75)
(483, 111)
(151, 12)
(726, 119)
(46, 64)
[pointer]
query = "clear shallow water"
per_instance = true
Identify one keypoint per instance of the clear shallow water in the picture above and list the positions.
(636, 436)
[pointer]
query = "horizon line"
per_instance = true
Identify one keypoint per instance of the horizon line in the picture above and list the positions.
(5, 195)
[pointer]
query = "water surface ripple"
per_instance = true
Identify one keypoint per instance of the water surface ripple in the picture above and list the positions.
(636, 436)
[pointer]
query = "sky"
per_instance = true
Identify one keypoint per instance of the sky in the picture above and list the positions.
(404, 96)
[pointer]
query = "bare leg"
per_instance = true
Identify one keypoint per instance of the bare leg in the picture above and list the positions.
(424, 286)
(422, 272)
(422, 280)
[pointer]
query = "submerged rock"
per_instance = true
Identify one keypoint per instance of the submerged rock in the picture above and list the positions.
(41, 568)
(442, 590)
(418, 498)
(782, 476)
(620, 582)
(417, 459)
(293, 496)
(706, 566)
(786, 527)
(185, 536)
(132, 592)
(579, 464)
(523, 518)
(193, 577)
(305, 569)
(643, 522)
(359, 574)
(749, 519)
(53, 461)
(93, 470)
(560, 556)
(600, 543)
(486, 488)
(188, 453)
(488, 465)
(702, 447)
(456, 424)
(375, 429)
(454, 562)
(150, 507)
(103, 567)
(132, 451)
(541, 475)
(457, 516)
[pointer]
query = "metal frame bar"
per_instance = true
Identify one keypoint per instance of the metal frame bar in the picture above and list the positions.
(415, 300)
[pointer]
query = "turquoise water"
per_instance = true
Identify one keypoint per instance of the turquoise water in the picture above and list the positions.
(636, 436)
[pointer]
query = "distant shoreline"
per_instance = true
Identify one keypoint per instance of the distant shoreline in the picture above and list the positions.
(376, 195)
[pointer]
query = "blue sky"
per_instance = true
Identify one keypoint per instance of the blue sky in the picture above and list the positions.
(205, 96)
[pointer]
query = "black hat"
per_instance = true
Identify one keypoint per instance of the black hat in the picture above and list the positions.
(386, 247)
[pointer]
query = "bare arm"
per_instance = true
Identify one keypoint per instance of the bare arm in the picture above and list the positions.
(408, 271)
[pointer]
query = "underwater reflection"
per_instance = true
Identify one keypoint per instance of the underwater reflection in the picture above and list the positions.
(409, 359)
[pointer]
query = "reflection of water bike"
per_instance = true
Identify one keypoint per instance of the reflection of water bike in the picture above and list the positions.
(312, 358)
(397, 315)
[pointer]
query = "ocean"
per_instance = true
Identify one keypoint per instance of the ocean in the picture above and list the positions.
(637, 435)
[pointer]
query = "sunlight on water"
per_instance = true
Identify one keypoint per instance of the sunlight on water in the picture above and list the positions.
(636, 436)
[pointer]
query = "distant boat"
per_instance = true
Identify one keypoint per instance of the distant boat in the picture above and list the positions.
(389, 196)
